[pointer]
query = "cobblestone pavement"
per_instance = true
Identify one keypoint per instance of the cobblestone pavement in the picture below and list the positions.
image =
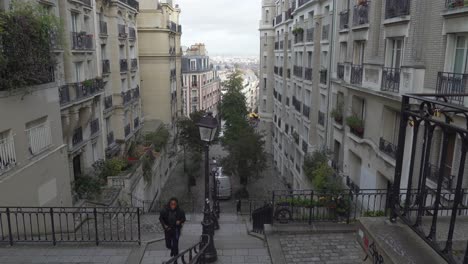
(334, 248)
(65, 254)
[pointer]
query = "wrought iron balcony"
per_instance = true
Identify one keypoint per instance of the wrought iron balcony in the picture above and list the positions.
(396, 8)
(94, 126)
(136, 92)
(302, 2)
(340, 70)
(356, 74)
(344, 19)
(132, 3)
(310, 34)
(126, 97)
(64, 95)
(391, 80)
(103, 28)
(127, 130)
(77, 91)
(110, 138)
(122, 31)
(123, 65)
(297, 71)
(82, 41)
(451, 4)
(134, 64)
(131, 33)
(454, 84)
(308, 74)
(106, 66)
(77, 137)
(388, 147)
(306, 111)
(108, 102)
(321, 118)
(278, 19)
(323, 76)
(325, 32)
(361, 13)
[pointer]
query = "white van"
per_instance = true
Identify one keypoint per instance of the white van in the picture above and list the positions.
(224, 185)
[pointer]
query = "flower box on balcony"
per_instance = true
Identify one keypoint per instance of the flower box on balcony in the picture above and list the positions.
(297, 31)
(337, 115)
(356, 125)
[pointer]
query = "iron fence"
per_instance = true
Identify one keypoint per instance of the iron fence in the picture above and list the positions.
(69, 224)
(194, 254)
(391, 80)
(356, 74)
(453, 84)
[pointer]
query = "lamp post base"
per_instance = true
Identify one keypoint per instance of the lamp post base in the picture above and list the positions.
(208, 229)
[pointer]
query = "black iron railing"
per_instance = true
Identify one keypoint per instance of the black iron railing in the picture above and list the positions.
(127, 130)
(108, 102)
(361, 13)
(132, 3)
(321, 118)
(64, 95)
(121, 30)
(306, 110)
(106, 66)
(262, 216)
(278, 19)
(78, 91)
(69, 224)
(323, 76)
(325, 32)
(86, 2)
(126, 97)
(133, 64)
(131, 33)
(82, 41)
(194, 254)
(451, 4)
(454, 84)
(302, 2)
(344, 19)
(297, 71)
(356, 74)
(388, 147)
(77, 137)
(435, 214)
(310, 34)
(391, 80)
(308, 74)
(94, 126)
(340, 70)
(396, 8)
(110, 138)
(102, 27)
(123, 65)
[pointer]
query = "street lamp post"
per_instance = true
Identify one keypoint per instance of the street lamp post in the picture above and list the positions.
(207, 126)
(216, 207)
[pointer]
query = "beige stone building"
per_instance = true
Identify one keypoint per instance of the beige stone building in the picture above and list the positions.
(200, 82)
(159, 34)
(34, 167)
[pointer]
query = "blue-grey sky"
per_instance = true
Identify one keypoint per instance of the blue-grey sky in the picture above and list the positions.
(227, 27)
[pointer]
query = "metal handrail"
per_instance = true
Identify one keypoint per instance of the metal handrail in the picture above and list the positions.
(194, 254)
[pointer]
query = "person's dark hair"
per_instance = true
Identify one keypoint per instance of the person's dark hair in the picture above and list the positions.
(171, 200)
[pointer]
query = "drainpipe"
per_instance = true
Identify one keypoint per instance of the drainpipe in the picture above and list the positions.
(330, 61)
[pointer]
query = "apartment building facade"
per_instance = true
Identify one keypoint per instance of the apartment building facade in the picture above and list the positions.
(295, 45)
(200, 81)
(34, 167)
(160, 65)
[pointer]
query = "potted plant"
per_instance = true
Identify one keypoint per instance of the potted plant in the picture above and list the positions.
(356, 125)
(88, 83)
(297, 30)
(337, 114)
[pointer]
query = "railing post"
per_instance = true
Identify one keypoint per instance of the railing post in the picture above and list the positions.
(54, 240)
(96, 225)
(310, 207)
(10, 235)
(139, 229)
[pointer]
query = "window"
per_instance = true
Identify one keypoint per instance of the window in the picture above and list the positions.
(78, 71)
(193, 65)
(74, 22)
(309, 59)
(343, 50)
(394, 53)
(39, 137)
(358, 57)
(461, 55)
(391, 125)
(358, 108)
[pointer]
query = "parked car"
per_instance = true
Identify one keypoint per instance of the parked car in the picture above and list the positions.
(224, 185)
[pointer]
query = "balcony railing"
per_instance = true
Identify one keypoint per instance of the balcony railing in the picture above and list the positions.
(278, 19)
(110, 138)
(123, 65)
(310, 34)
(323, 76)
(77, 137)
(106, 66)
(391, 80)
(122, 31)
(361, 14)
(39, 138)
(94, 126)
(86, 2)
(356, 74)
(127, 130)
(396, 8)
(340, 70)
(131, 33)
(103, 28)
(344, 19)
(325, 32)
(450, 83)
(308, 74)
(132, 3)
(302, 2)
(108, 102)
(451, 4)
(321, 118)
(388, 147)
(82, 41)
(298, 71)
(7, 154)
(134, 64)
(78, 91)
(306, 110)
(126, 97)
(136, 92)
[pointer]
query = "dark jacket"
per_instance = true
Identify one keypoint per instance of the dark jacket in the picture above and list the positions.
(168, 217)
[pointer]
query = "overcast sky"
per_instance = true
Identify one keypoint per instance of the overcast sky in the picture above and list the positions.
(227, 27)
